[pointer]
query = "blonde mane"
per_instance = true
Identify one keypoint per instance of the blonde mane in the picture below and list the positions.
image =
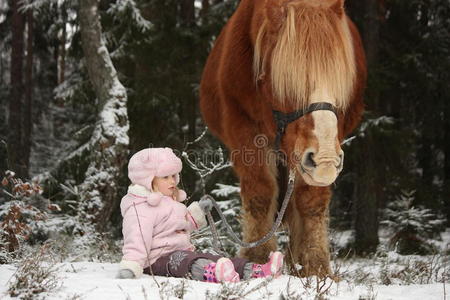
(314, 48)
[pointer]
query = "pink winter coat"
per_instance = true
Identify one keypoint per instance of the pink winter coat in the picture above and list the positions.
(166, 225)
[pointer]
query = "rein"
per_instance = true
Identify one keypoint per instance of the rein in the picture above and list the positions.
(283, 119)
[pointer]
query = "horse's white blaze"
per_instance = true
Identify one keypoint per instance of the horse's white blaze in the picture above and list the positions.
(325, 126)
(327, 156)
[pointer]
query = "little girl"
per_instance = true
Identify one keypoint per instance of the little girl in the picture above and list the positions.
(157, 227)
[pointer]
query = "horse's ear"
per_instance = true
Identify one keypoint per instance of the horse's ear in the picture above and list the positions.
(338, 7)
(275, 12)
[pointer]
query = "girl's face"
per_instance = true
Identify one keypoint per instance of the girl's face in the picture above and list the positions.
(165, 185)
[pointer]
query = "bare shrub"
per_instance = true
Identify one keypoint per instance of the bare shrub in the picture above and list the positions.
(234, 291)
(23, 217)
(169, 290)
(421, 271)
(289, 293)
(36, 274)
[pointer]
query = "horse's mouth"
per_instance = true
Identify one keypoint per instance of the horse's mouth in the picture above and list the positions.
(309, 179)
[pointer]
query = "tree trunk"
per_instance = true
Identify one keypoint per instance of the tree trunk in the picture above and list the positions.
(27, 115)
(187, 16)
(192, 117)
(365, 194)
(3, 159)
(109, 141)
(62, 51)
(371, 34)
(2, 70)
(15, 132)
(446, 189)
(365, 199)
(187, 12)
(371, 40)
(205, 7)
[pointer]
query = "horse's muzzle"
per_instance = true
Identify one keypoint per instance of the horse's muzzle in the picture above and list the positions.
(321, 170)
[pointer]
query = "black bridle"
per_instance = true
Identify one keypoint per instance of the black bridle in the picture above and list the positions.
(283, 119)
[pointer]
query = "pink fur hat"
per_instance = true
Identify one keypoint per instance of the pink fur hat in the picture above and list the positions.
(148, 163)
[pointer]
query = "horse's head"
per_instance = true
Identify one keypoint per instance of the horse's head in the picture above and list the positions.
(304, 54)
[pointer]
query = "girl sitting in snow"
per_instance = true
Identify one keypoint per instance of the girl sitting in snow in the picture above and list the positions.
(157, 227)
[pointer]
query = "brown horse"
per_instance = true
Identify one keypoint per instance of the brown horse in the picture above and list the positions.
(279, 60)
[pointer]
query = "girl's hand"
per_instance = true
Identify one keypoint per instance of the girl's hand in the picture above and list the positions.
(175, 194)
(125, 274)
(205, 204)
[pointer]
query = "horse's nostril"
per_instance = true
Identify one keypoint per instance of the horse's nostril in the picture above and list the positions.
(309, 160)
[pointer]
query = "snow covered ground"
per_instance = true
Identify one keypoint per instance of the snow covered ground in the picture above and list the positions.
(387, 275)
(90, 280)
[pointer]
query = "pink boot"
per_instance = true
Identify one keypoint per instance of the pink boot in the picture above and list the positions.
(221, 271)
(271, 268)
(225, 271)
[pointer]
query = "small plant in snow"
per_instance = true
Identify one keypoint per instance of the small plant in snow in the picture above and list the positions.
(23, 217)
(415, 270)
(36, 274)
(362, 276)
(79, 234)
(316, 286)
(18, 188)
(411, 226)
(169, 290)
(235, 291)
(289, 293)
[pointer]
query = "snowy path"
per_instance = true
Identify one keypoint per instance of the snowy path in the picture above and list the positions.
(87, 280)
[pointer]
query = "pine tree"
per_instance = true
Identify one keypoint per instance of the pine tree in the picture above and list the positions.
(109, 141)
(411, 226)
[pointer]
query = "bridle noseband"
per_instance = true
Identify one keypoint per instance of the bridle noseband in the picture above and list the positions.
(283, 119)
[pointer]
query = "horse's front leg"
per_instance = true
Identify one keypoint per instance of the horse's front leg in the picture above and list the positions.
(258, 195)
(308, 226)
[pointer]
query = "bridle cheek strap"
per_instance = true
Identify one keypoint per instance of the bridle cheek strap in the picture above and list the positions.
(283, 119)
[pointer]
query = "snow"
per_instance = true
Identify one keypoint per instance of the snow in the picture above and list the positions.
(224, 190)
(91, 280)
(343, 238)
(360, 278)
(123, 5)
(445, 237)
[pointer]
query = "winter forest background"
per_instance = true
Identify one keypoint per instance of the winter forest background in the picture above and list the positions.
(71, 116)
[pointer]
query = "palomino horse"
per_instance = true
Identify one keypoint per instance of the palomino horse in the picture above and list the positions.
(274, 61)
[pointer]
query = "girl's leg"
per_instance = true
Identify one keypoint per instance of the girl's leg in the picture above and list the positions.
(198, 269)
(175, 264)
